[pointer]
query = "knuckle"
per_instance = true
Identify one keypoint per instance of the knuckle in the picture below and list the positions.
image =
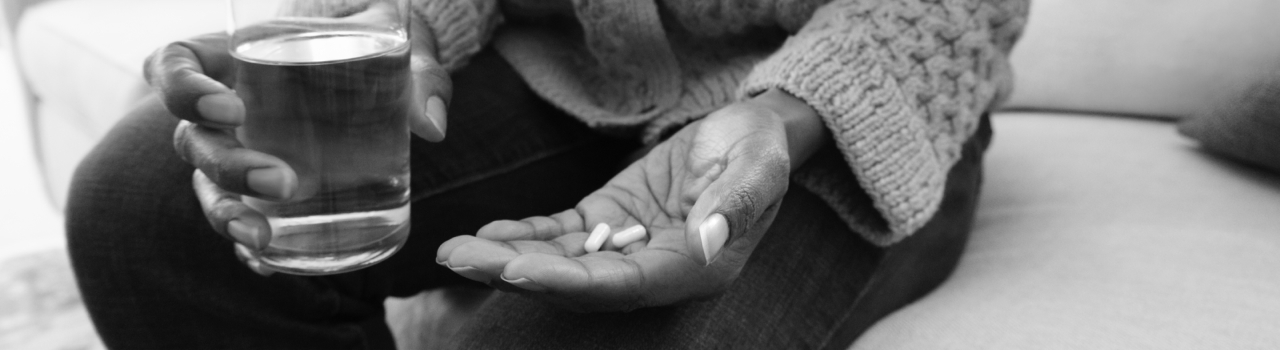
(166, 59)
(221, 210)
(223, 171)
(744, 201)
(434, 79)
(149, 64)
(182, 140)
(202, 149)
(160, 58)
(440, 77)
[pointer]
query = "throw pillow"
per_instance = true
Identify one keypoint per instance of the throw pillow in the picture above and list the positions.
(1246, 128)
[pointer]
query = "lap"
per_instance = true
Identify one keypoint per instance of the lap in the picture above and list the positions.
(801, 279)
(155, 275)
(811, 283)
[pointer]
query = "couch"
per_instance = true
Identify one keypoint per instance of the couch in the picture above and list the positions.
(1100, 227)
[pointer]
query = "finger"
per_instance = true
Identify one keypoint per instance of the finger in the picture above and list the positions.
(193, 77)
(229, 216)
(254, 264)
(473, 258)
(483, 260)
(534, 228)
(610, 281)
(739, 204)
(231, 166)
(433, 89)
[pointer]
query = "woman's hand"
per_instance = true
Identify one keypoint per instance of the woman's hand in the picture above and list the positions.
(193, 79)
(706, 197)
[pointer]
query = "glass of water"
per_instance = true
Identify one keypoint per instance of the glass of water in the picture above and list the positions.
(328, 90)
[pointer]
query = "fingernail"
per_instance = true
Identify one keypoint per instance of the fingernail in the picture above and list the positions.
(274, 182)
(714, 231)
(257, 268)
(437, 114)
(630, 235)
(243, 253)
(245, 233)
(525, 283)
(221, 108)
(471, 273)
(597, 237)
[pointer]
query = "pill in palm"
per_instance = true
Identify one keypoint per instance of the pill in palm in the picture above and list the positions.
(597, 237)
(630, 235)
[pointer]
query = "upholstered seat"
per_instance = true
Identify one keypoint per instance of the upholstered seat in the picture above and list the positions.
(1103, 232)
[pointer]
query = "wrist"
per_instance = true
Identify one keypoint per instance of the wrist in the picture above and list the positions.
(805, 130)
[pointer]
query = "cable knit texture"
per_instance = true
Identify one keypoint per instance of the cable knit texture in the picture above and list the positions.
(460, 27)
(901, 84)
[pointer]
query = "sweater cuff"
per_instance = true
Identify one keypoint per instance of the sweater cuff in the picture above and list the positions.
(882, 138)
(461, 27)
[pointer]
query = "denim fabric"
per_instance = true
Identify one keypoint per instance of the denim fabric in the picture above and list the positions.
(810, 284)
(154, 275)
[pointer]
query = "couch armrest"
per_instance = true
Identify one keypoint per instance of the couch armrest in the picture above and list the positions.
(12, 10)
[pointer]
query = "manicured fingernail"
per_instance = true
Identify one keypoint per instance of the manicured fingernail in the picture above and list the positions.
(274, 182)
(630, 235)
(224, 109)
(525, 283)
(437, 114)
(246, 233)
(243, 253)
(714, 231)
(597, 237)
(257, 268)
(471, 273)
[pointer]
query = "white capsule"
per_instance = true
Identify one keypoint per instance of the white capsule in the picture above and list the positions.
(630, 235)
(597, 237)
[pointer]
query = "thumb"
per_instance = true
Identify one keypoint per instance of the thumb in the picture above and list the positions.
(432, 86)
(732, 214)
(431, 93)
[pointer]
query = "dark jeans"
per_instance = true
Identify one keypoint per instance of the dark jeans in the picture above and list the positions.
(156, 276)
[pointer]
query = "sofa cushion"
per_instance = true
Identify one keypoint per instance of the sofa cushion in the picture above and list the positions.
(1106, 233)
(1246, 128)
(1166, 58)
(83, 60)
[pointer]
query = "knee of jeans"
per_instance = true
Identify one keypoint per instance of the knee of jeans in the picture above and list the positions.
(132, 167)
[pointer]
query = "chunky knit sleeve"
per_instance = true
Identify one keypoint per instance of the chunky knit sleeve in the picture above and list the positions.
(901, 84)
(460, 27)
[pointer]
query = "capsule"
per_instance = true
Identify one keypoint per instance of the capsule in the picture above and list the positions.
(630, 235)
(597, 237)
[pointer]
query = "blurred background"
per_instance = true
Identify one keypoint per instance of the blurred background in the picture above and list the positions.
(33, 265)
(31, 224)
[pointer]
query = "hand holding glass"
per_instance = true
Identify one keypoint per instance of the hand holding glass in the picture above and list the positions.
(331, 97)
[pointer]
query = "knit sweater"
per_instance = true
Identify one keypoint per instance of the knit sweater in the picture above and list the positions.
(901, 84)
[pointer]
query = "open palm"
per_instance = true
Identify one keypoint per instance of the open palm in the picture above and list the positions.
(705, 195)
